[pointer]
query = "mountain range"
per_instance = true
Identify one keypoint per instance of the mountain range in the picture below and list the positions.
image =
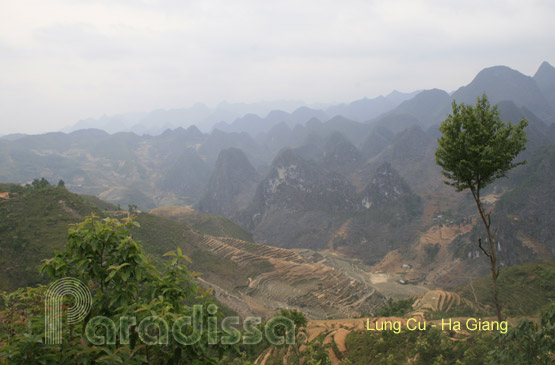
(358, 179)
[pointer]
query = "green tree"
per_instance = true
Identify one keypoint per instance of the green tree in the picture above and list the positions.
(475, 149)
(124, 283)
(296, 316)
(132, 208)
(38, 184)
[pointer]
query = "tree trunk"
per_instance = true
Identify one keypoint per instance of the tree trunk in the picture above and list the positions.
(492, 255)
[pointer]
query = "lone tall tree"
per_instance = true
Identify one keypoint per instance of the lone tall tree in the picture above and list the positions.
(475, 149)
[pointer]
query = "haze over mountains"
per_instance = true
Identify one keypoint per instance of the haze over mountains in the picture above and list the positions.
(359, 179)
(238, 116)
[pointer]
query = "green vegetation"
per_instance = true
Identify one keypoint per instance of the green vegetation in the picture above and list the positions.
(398, 308)
(35, 220)
(432, 346)
(431, 251)
(160, 234)
(99, 203)
(124, 279)
(34, 223)
(475, 149)
(528, 342)
(210, 224)
(103, 256)
(222, 227)
(301, 352)
(524, 289)
(525, 343)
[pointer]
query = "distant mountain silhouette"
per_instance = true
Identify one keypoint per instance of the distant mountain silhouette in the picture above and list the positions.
(219, 140)
(188, 176)
(201, 115)
(376, 142)
(366, 109)
(255, 125)
(230, 185)
(545, 79)
(340, 155)
(427, 108)
(502, 83)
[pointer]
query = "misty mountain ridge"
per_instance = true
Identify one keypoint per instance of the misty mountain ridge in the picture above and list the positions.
(239, 117)
(175, 166)
(304, 179)
(396, 111)
(199, 114)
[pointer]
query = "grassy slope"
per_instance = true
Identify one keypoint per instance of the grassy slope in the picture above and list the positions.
(35, 222)
(160, 235)
(524, 289)
(210, 224)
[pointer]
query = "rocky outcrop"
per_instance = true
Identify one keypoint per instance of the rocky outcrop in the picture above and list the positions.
(187, 176)
(295, 184)
(376, 142)
(385, 188)
(340, 154)
(231, 185)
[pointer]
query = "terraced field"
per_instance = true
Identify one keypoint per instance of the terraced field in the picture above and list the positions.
(293, 281)
(440, 301)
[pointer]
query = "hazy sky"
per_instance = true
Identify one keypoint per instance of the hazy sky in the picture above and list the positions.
(61, 61)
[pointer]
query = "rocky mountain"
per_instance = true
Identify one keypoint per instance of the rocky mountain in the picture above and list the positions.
(388, 218)
(526, 207)
(386, 187)
(157, 121)
(545, 79)
(171, 168)
(296, 184)
(255, 125)
(295, 201)
(278, 137)
(367, 196)
(537, 132)
(354, 131)
(502, 83)
(297, 179)
(282, 136)
(340, 155)
(411, 153)
(428, 107)
(187, 177)
(376, 142)
(304, 203)
(219, 140)
(174, 166)
(312, 148)
(231, 185)
(366, 109)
